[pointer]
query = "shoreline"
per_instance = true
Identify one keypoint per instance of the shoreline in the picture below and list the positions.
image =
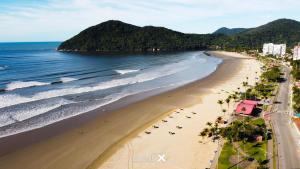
(110, 127)
(10, 143)
(138, 149)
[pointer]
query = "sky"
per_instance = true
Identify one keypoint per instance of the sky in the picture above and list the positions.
(58, 20)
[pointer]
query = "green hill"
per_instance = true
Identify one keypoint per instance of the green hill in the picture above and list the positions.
(228, 31)
(279, 31)
(117, 36)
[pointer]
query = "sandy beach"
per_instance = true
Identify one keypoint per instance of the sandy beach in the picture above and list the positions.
(183, 149)
(117, 139)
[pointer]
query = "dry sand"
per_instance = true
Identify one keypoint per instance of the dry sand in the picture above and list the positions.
(185, 149)
(118, 139)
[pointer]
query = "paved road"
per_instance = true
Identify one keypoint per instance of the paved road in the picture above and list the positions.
(287, 138)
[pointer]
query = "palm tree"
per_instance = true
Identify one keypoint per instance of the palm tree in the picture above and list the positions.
(228, 101)
(224, 111)
(245, 84)
(219, 119)
(203, 134)
(220, 102)
(209, 124)
(256, 78)
(234, 97)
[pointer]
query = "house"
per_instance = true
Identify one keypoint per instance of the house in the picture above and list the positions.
(246, 107)
(296, 52)
(259, 138)
(274, 49)
(297, 123)
(297, 84)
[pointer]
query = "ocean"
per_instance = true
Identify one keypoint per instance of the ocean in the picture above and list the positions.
(40, 86)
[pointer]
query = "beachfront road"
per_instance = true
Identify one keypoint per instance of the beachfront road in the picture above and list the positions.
(285, 133)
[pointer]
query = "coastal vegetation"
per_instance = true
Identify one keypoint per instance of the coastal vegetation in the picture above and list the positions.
(228, 31)
(245, 139)
(117, 36)
(296, 90)
(296, 69)
(241, 147)
(296, 99)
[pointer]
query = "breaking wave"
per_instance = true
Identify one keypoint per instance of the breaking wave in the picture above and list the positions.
(12, 99)
(20, 84)
(67, 79)
(3, 68)
(126, 71)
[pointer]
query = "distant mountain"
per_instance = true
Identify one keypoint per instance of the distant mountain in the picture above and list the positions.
(279, 31)
(117, 36)
(228, 31)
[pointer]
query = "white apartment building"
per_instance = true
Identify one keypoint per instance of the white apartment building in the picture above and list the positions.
(274, 49)
(296, 53)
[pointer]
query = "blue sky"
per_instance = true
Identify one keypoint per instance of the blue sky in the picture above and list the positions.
(58, 20)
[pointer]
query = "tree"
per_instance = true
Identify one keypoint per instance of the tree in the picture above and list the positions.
(219, 119)
(209, 124)
(234, 97)
(224, 111)
(220, 102)
(203, 134)
(228, 101)
(245, 84)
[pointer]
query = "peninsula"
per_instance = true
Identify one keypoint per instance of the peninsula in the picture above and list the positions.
(117, 36)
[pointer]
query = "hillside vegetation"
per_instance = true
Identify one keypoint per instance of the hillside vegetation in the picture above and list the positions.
(117, 36)
(228, 31)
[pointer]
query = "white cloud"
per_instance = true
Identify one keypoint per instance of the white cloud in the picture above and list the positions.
(58, 20)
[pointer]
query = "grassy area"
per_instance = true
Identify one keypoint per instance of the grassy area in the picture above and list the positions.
(227, 151)
(258, 121)
(255, 150)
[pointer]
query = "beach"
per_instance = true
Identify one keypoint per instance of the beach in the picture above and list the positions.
(118, 140)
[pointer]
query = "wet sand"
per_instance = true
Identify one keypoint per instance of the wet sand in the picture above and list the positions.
(94, 137)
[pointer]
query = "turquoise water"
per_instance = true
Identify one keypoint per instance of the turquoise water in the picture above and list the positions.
(40, 86)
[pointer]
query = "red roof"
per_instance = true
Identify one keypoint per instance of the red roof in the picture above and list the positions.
(250, 102)
(297, 123)
(243, 108)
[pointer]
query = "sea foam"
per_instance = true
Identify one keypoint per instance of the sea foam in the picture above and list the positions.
(12, 99)
(11, 127)
(126, 71)
(20, 84)
(3, 68)
(67, 79)
(22, 112)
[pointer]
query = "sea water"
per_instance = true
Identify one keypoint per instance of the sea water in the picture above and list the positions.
(40, 86)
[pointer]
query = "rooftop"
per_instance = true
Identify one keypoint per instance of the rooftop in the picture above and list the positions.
(244, 108)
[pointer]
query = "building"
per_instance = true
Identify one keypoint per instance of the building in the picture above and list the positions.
(274, 49)
(296, 52)
(246, 107)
